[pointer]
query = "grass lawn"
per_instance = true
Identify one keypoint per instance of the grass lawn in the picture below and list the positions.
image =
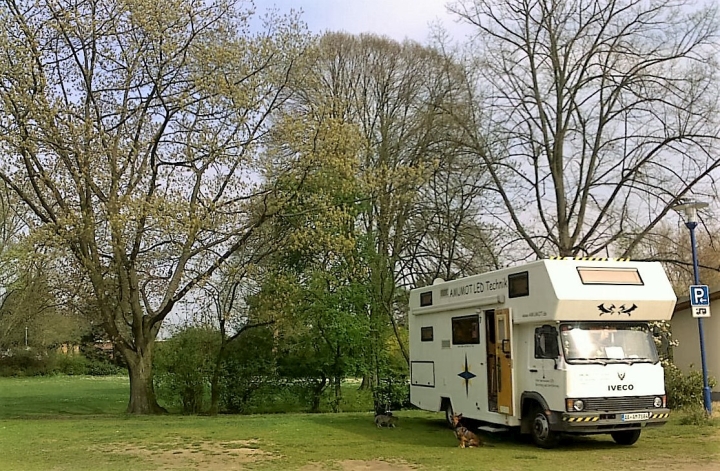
(77, 423)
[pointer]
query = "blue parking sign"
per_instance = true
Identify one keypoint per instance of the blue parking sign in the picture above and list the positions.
(699, 295)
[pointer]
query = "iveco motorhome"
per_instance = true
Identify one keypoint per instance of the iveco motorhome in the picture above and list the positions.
(553, 346)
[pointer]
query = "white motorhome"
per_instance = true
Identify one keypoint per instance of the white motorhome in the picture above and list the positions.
(554, 346)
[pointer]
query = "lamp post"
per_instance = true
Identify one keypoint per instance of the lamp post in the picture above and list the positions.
(690, 209)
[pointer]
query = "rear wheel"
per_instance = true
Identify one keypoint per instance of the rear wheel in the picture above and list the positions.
(541, 433)
(447, 408)
(626, 437)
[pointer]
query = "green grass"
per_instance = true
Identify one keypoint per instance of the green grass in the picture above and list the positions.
(27, 397)
(77, 423)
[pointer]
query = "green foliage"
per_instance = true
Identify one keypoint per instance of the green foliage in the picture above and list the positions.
(184, 367)
(684, 390)
(34, 362)
(25, 362)
(70, 364)
(392, 393)
(248, 375)
(78, 365)
(102, 368)
(696, 415)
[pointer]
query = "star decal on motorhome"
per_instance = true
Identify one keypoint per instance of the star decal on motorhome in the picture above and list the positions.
(611, 309)
(466, 375)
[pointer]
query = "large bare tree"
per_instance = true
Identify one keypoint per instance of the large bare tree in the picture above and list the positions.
(593, 116)
(130, 128)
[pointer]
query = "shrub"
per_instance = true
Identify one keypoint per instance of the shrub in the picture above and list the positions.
(695, 415)
(684, 391)
(393, 393)
(184, 366)
(102, 368)
(25, 362)
(248, 378)
(72, 365)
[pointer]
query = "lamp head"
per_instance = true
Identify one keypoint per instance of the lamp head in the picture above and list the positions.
(690, 207)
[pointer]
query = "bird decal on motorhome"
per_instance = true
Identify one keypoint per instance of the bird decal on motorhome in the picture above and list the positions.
(627, 310)
(616, 310)
(606, 310)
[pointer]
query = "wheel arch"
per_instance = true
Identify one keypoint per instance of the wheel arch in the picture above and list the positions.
(528, 400)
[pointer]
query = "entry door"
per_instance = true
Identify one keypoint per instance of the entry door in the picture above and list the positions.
(503, 358)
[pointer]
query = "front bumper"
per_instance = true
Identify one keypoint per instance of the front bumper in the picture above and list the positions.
(603, 422)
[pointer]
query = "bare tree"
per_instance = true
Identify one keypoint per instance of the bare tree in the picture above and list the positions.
(130, 131)
(446, 235)
(593, 116)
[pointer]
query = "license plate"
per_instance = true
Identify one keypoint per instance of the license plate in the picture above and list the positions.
(636, 416)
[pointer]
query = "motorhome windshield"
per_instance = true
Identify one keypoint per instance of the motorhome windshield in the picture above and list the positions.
(620, 342)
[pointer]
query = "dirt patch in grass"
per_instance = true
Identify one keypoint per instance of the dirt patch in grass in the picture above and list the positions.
(689, 465)
(375, 465)
(360, 465)
(220, 456)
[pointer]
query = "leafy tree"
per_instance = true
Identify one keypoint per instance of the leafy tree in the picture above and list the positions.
(317, 282)
(396, 96)
(130, 130)
(593, 117)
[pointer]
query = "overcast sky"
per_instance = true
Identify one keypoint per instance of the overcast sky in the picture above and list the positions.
(398, 19)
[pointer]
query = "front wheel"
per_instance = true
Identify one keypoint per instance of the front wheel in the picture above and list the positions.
(626, 437)
(541, 433)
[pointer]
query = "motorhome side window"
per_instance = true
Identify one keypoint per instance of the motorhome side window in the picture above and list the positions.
(518, 285)
(426, 334)
(466, 330)
(546, 342)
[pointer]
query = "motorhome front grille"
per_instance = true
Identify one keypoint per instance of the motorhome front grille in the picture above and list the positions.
(619, 403)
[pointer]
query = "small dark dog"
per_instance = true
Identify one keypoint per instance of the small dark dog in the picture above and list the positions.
(466, 437)
(385, 420)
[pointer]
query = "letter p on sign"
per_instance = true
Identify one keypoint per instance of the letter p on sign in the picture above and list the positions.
(699, 295)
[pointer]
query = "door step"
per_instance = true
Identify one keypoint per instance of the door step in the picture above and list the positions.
(493, 428)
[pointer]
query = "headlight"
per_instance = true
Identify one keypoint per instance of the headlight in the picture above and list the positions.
(658, 402)
(574, 405)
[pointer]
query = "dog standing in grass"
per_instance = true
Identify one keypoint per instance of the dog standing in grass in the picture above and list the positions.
(385, 420)
(466, 437)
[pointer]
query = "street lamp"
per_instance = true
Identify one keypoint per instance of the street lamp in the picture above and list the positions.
(690, 209)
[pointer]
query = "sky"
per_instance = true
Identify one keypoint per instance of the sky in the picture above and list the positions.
(397, 19)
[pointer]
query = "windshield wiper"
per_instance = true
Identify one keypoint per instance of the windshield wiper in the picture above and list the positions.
(630, 361)
(606, 360)
(588, 360)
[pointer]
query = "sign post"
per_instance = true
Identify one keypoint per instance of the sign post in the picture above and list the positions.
(702, 294)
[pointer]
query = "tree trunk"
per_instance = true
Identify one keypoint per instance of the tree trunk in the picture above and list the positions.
(317, 395)
(215, 382)
(338, 393)
(142, 390)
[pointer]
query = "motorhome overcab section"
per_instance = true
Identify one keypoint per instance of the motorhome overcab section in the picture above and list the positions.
(551, 347)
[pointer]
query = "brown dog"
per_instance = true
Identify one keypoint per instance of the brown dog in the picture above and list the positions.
(466, 437)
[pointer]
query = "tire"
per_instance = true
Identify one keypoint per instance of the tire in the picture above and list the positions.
(541, 434)
(626, 437)
(447, 408)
